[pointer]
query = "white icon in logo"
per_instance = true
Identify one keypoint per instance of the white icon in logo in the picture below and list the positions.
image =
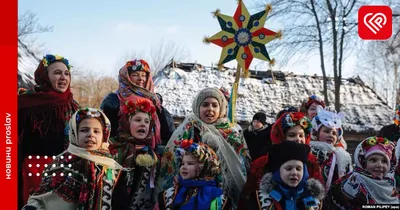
(376, 22)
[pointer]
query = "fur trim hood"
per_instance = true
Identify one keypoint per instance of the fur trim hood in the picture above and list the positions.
(315, 187)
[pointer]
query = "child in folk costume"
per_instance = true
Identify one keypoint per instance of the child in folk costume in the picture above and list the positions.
(290, 126)
(328, 145)
(197, 188)
(134, 149)
(83, 176)
(372, 180)
(209, 125)
(309, 107)
(286, 184)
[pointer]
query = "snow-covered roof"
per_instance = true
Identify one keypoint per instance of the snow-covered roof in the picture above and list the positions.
(364, 110)
(27, 64)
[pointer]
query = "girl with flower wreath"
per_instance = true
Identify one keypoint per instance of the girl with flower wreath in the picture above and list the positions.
(290, 126)
(371, 181)
(82, 177)
(134, 149)
(197, 187)
(208, 125)
(43, 114)
(135, 81)
(328, 145)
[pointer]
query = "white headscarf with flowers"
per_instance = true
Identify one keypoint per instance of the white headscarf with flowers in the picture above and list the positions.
(82, 152)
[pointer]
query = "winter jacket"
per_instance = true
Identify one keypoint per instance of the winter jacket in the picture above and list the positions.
(258, 141)
(270, 197)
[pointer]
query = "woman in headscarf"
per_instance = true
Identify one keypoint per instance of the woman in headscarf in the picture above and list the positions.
(43, 113)
(209, 125)
(135, 81)
(83, 176)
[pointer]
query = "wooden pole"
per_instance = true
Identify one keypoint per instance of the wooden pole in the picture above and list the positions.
(237, 78)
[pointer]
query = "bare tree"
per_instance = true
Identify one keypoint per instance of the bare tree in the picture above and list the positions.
(28, 25)
(379, 64)
(162, 52)
(158, 55)
(309, 26)
(90, 88)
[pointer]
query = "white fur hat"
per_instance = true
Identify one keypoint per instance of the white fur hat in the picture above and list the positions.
(330, 119)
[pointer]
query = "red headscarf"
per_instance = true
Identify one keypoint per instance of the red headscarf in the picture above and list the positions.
(42, 101)
(286, 121)
(310, 100)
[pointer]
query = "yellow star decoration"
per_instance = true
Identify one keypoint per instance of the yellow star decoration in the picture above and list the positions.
(243, 37)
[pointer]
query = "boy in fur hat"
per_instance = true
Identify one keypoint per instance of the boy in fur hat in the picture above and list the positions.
(286, 184)
(372, 180)
(290, 126)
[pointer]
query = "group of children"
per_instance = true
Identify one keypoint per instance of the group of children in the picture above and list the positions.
(206, 165)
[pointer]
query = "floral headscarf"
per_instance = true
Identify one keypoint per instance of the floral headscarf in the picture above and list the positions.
(287, 121)
(126, 86)
(43, 103)
(375, 145)
(73, 176)
(128, 91)
(359, 186)
(88, 113)
(203, 153)
(310, 100)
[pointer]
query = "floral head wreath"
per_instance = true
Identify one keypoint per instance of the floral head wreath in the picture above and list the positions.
(49, 59)
(202, 152)
(137, 65)
(289, 120)
(130, 107)
(396, 118)
(373, 145)
(88, 113)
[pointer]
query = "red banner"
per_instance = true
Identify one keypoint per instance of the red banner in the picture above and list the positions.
(8, 110)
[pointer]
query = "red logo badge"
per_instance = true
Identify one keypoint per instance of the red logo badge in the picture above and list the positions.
(375, 22)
